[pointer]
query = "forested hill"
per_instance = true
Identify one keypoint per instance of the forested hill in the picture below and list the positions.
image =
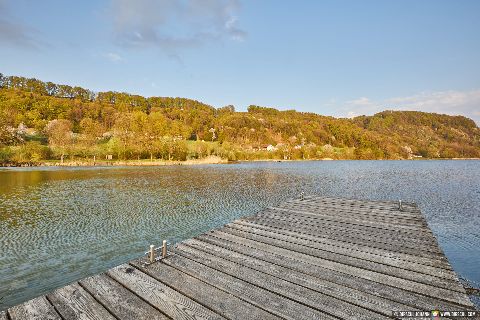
(42, 120)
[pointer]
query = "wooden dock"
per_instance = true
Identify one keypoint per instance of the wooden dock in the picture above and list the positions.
(311, 258)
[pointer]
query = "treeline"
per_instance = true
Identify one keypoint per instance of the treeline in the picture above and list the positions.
(42, 120)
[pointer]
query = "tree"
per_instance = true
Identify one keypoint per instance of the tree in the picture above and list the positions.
(123, 131)
(59, 134)
(155, 128)
(91, 132)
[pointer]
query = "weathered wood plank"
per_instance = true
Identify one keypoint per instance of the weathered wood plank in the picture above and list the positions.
(380, 215)
(73, 302)
(366, 286)
(395, 213)
(286, 249)
(169, 301)
(271, 302)
(3, 315)
(353, 296)
(316, 236)
(320, 217)
(302, 246)
(118, 300)
(368, 204)
(215, 299)
(35, 309)
(407, 209)
(375, 235)
(363, 202)
(340, 221)
(352, 252)
(357, 209)
(381, 236)
(314, 299)
(356, 219)
(373, 240)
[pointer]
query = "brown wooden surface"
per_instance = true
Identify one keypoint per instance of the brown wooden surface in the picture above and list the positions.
(73, 302)
(35, 309)
(317, 258)
(119, 300)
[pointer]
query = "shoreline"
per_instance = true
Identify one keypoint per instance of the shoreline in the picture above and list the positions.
(208, 160)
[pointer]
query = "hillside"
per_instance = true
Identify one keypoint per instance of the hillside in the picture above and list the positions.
(42, 120)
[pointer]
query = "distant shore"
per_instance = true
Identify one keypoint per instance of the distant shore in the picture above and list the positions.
(107, 163)
(157, 162)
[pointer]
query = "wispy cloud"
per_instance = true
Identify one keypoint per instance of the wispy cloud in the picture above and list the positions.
(113, 57)
(172, 25)
(13, 32)
(466, 103)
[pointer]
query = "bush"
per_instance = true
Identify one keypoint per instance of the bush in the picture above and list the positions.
(5, 155)
(30, 152)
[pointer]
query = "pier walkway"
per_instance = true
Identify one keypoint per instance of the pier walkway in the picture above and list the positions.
(311, 258)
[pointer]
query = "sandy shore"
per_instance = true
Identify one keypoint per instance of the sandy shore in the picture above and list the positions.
(208, 160)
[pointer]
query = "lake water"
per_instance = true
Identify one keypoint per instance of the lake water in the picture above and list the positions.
(58, 225)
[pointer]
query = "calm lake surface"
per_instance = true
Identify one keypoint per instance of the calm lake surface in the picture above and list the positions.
(58, 225)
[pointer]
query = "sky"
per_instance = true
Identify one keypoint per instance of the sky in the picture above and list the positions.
(332, 57)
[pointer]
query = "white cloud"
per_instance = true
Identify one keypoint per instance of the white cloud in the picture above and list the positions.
(172, 25)
(466, 103)
(113, 57)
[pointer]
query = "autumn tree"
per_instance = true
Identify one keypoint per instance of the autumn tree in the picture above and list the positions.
(59, 134)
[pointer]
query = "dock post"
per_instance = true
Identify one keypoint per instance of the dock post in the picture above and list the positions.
(152, 253)
(400, 205)
(164, 248)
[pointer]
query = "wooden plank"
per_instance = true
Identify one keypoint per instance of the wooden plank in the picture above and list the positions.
(372, 240)
(360, 215)
(35, 309)
(379, 235)
(314, 299)
(385, 216)
(353, 296)
(291, 250)
(164, 298)
(347, 230)
(291, 230)
(358, 209)
(350, 243)
(271, 302)
(339, 221)
(207, 295)
(118, 300)
(369, 204)
(350, 251)
(407, 209)
(387, 204)
(302, 246)
(354, 219)
(366, 202)
(73, 302)
(424, 233)
(366, 286)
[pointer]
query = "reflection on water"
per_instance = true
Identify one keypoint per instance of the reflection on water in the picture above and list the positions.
(58, 225)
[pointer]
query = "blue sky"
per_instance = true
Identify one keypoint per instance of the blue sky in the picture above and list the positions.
(341, 58)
